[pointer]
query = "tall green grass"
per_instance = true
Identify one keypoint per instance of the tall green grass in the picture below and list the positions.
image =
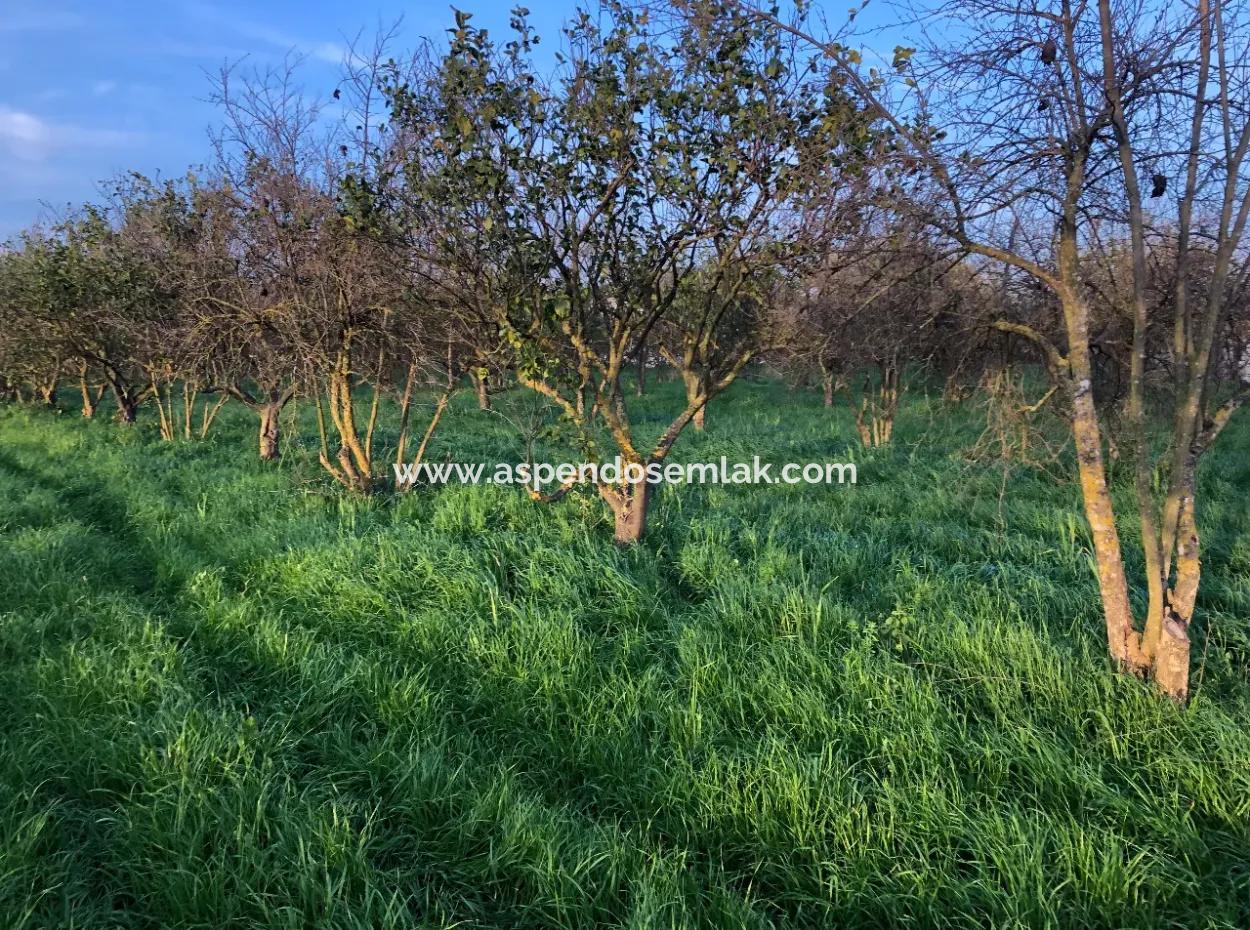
(230, 697)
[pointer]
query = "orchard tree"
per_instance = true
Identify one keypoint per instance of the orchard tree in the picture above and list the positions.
(31, 354)
(262, 249)
(1052, 115)
(600, 201)
(86, 297)
(883, 296)
(461, 126)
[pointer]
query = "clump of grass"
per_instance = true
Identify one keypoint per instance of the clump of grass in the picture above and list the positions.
(225, 701)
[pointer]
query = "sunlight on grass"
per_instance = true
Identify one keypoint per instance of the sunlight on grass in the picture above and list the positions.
(228, 698)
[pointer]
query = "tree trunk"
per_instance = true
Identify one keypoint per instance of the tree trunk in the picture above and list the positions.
(694, 389)
(164, 408)
(826, 380)
(483, 395)
(1171, 669)
(1123, 640)
(1099, 511)
(629, 505)
(127, 409)
(270, 430)
(190, 391)
(405, 411)
(89, 400)
(1169, 646)
(874, 420)
(353, 468)
(209, 414)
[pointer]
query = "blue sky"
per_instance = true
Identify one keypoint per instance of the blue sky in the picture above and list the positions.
(89, 89)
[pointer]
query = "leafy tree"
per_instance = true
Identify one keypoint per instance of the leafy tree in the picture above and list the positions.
(587, 211)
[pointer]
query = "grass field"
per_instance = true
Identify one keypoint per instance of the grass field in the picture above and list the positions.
(230, 697)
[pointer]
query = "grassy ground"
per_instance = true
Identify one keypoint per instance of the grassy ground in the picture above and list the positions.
(231, 698)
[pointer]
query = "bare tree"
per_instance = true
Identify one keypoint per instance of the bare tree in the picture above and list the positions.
(1045, 115)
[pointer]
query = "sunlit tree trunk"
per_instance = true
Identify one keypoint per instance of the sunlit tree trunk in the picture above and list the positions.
(270, 433)
(268, 407)
(629, 504)
(874, 419)
(353, 465)
(695, 388)
(481, 386)
(91, 396)
(827, 382)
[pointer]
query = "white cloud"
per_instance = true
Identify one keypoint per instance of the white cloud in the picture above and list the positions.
(328, 52)
(27, 137)
(322, 51)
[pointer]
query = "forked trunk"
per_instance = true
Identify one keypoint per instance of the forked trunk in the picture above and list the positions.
(629, 505)
(127, 401)
(209, 414)
(874, 420)
(164, 407)
(270, 431)
(425, 440)
(90, 398)
(353, 466)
